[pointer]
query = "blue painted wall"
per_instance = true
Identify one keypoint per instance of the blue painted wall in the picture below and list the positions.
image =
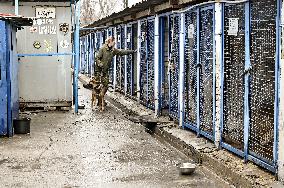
(9, 92)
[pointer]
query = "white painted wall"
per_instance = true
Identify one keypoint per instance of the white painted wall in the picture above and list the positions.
(43, 79)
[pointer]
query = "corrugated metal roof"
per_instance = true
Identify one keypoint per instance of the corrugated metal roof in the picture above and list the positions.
(18, 21)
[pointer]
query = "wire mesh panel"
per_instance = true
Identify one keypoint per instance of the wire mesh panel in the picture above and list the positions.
(206, 73)
(174, 37)
(150, 63)
(129, 62)
(262, 89)
(118, 60)
(190, 68)
(143, 64)
(234, 66)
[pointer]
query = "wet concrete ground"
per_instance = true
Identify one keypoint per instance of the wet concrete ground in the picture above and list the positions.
(93, 149)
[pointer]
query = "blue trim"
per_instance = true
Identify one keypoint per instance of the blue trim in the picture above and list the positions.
(222, 76)
(232, 149)
(77, 55)
(247, 81)
(161, 62)
(206, 135)
(164, 14)
(190, 126)
(277, 85)
(9, 63)
(184, 70)
(169, 55)
(214, 75)
(47, 54)
(262, 163)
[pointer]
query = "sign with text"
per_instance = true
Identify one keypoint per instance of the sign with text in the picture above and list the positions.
(45, 12)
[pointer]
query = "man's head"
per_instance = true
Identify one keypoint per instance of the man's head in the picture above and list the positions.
(110, 42)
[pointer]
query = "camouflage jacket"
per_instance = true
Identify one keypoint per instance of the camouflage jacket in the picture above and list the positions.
(106, 54)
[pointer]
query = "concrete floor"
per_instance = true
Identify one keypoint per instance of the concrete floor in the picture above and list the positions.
(93, 149)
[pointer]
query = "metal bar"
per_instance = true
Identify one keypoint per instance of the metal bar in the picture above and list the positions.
(198, 71)
(125, 60)
(181, 70)
(232, 149)
(161, 62)
(190, 126)
(157, 51)
(206, 135)
(277, 84)
(261, 163)
(47, 54)
(222, 77)
(138, 59)
(77, 53)
(280, 146)
(247, 77)
(214, 74)
(114, 64)
(147, 68)
(93, 28)
(17, 7)
(169, 59)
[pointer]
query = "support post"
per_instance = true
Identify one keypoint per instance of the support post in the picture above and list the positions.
(182, 70)
(77, 53)
(125, 60)
(114, 63)
(17, 7)
(247, 78)
(156, 65)
(280, 144)
(138, 59)
(218, 65)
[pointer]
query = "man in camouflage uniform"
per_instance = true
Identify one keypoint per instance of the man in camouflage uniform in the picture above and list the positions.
(103, 63)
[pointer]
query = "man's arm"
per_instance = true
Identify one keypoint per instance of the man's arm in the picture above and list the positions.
(122, 52)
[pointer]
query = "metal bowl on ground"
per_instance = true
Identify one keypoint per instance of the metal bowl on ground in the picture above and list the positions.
(187, 168)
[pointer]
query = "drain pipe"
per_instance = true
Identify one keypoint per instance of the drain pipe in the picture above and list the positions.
(210, 2)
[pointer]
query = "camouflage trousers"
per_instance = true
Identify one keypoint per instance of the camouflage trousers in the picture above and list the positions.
(101, 76)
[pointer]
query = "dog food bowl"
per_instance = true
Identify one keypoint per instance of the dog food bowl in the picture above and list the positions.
(186, 168)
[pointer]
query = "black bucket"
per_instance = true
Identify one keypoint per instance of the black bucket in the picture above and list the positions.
(22, 126)
(150, 127)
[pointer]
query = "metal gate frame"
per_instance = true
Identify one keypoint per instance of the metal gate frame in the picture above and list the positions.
(246, 154)
(120, 61)
(129, 62)
(191, 126)
(174, 114)
(145, 100)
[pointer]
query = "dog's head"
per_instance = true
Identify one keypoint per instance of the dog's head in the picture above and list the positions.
(96, 84)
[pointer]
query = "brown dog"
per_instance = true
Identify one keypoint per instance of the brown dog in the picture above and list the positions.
(96, 94)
